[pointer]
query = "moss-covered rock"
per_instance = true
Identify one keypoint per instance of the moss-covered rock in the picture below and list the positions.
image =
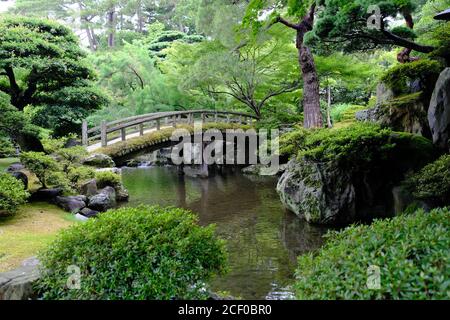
(346, 175)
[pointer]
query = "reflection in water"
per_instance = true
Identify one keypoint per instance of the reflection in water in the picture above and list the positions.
(263, 239)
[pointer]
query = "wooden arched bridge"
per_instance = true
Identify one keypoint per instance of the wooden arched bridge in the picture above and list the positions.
(120, 130)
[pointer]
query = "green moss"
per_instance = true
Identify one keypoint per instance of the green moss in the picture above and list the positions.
(411, 252)
(345, 112)
(404, 101)
(398, 76)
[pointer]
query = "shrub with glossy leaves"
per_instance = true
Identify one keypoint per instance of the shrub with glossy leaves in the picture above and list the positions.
(134, 253)
(412, 252)
(12, 194)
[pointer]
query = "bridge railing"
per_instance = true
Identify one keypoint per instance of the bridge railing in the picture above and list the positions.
(119, 130)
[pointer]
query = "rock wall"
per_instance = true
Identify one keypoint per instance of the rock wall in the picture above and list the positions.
(439, 111)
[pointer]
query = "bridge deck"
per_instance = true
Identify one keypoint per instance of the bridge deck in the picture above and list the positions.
(132, 127)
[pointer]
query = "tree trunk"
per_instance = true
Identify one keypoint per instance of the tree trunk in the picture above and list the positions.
(140, 18)
(111, 28)
(405, 55)
(311, 92)
(330, 125)
(311, 86)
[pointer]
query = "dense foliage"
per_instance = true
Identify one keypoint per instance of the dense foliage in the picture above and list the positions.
(432, 182)
(44, 71)
(12, 194)
(43, 166)
(134, 253)
(107, 178)
(410, 250)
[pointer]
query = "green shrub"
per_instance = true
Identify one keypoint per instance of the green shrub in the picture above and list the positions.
(6, 148)
(398, 76)
(107, 178)
(12, 194)
(79, 174)
(275, 120)
(432, 182)
(72, 155)
(412, 252)
(134, 253)
(42, 165)
(52, 145)
(292, 142)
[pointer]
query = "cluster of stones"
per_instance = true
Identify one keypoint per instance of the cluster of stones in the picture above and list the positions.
(91, 200)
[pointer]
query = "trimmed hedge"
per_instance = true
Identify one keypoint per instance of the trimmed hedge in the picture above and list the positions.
(134, 253)
(412, 252)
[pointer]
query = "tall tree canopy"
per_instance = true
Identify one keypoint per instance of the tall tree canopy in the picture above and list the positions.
(368, 24)
(43, 71)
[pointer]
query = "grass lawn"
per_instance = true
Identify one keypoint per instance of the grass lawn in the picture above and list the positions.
(27, 232)
(6, 162)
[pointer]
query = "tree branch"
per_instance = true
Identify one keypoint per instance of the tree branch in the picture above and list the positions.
(289, 24)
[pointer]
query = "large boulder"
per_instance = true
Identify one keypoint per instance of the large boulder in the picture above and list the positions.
(89, 213)
(18, 284)
(15, 167)
(349, 177)
(99, 160)
(319, 192)
(407, 113)
(89, 188)
(71, 204)
(104, 200)
(46, 194)
(121, 193)
(439, 111)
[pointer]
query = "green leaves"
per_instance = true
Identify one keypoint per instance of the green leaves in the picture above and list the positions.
(433, 181)
(134, 254)
(42, 67)
(411, 251)
(12, 194)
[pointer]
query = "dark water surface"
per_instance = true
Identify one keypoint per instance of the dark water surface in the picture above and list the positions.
(263, 239)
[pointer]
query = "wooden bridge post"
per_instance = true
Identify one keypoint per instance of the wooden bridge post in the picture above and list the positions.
(240, 119)
(84, 133)
(141, 129)
(174, 121)
(216, 116)
(123, 134)
(203, 118)
(103, 134)
(228, 118)
(158, 124)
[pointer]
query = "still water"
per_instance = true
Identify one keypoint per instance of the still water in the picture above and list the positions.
(263, 239)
